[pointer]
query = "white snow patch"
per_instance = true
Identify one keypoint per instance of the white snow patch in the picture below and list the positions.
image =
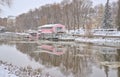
(5, 73)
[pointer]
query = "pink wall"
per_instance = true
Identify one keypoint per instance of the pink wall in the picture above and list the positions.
(46, 30)
(59, 25)
(53, 29)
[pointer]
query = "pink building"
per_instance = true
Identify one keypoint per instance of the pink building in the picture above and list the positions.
(51, 31)
(51, 28)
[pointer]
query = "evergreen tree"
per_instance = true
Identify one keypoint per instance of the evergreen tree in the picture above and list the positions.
(118, 16)
(107, 19)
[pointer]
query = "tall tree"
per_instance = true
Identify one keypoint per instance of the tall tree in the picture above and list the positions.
(5, 2)
(99, 11)
(118, 16)
(114, 8)
(72, 13)
(107, 20)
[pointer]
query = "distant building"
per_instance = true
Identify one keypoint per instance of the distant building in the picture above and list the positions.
(52, 28)
(11, 21)
(2, 29)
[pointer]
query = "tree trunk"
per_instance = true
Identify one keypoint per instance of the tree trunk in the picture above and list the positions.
(118, 17)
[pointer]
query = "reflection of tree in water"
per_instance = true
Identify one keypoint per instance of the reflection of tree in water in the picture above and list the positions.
(106, 69)
(26, 47)
(68, 62)
(48, 59)
(111, 58)
(118, 59)
(5, 42)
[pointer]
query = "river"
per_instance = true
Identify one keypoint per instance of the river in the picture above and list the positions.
(63, 59)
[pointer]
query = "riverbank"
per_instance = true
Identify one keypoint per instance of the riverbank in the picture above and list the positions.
(98, 36)
(9, 70)
(100, 41)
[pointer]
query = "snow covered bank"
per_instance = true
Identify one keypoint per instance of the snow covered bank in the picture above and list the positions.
(5, 73)
(104, 32)
(9, 70)
(100, 41)
(99, 36)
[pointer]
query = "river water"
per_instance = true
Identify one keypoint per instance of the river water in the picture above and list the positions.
(63, 59)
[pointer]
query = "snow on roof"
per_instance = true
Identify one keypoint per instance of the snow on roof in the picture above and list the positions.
(48, 25)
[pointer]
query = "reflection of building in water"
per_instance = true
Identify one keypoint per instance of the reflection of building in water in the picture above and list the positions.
(53, 49)
(67, 61)
(75, 60)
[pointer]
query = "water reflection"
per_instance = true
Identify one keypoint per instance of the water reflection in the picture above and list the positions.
(118, 59)
(68, 63)
(70, 60)
(26, 47)
(52, 49)
(10, 53)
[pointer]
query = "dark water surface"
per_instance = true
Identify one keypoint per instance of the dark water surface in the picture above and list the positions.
(63, 59)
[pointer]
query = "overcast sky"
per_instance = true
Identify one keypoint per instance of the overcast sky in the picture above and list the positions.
(22, 6)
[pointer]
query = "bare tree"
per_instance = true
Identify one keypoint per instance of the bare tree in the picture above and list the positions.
(114, 8)
(71, 13)
(99, 11)
(118, 16)
(5, 2)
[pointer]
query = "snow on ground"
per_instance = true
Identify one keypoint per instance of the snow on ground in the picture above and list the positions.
(105, 32)
(9, 70)
(96, 40)
(5, 73)
(100, 41)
